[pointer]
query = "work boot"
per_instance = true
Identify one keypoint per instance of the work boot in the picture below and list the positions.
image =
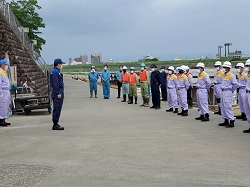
(95, 94)
(175, 111)
(246, 131)
(136, 100)
(157, 108)
(146, 102)
(143, 100)
(181, 113)
(56, 126)
(230, 125)
(124, 98)
(8, 124)
(200, 118)
(130, 100)
(219, 111)
(206, 118)
(2, 123)
(91, 94)
(185, 113)
(170, 110)
(226, 122)
(240, 116)
(244, 117)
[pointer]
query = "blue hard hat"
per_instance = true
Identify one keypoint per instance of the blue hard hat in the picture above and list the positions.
(58, 61)
(4, 62)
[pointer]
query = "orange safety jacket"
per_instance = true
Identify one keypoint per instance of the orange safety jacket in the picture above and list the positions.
(125, 77)
(143, 75)
(133, 79)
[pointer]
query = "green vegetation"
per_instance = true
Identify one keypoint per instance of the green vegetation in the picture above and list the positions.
(26, 13)
(77, 69)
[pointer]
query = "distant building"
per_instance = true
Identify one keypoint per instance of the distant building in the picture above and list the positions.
(70, 60)
(84, 59)
(148, 58)
(177, 58)
(96, 58)
(235, 55)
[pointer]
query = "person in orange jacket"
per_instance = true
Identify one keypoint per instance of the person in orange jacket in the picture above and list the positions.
(133, 82)
(125, 83)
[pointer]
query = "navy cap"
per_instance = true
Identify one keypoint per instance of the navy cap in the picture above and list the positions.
(153, 66)
(163, 67)
(58, 61)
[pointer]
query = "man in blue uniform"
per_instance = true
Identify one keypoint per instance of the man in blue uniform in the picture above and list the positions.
(105, 76)
(155, 87)
(56, 82)
(119, 81)
(93, 78)
(163, 76)
(4, 93)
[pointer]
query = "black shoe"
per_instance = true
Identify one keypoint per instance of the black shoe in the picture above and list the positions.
(157, 108)
(200, 118)
(2, 124)
(91, 94)
(130, 100)
(239, 117)
(175, 111)
(57, 128)
(180, 114)
(246, 131)
(124, 98)
(135, 100)
(231, 124)
(244, 119)
(185, 113)
(95, 94)
(152, 107)
(226, 122)
(219, 112)
(118, 97)
(206, 118)
(170, 110)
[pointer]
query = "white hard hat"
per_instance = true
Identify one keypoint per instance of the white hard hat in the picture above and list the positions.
(182, 68)
(124, 67)
(200, 65)
(227, 64)
(177, 69)
(247, 62)
(171, 68)
(187, 68)
(218, 63)
(240, 65)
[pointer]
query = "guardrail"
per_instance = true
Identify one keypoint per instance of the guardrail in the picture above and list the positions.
(20, 32)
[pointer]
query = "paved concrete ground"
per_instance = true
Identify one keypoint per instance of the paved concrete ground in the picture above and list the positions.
(109, 143)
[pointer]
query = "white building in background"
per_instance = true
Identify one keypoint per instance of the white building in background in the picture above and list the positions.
(177, 58)
(96, 58)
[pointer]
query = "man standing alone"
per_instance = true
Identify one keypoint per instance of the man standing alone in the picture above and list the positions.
(56, 82)
(4, 93)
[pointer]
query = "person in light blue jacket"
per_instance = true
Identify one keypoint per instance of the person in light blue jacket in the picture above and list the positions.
(105, 78)
(93, 78)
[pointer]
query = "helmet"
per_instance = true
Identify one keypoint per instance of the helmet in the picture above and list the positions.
(227, 64)
(142, 65)
(92, 67)
(132, 68)
(240, 65)
(218, 63)
(247, 62)
(171, 68)
(200, 65)
(4, 62)
(181, 68)
(185, 68)
(124, 67)
(177, 69)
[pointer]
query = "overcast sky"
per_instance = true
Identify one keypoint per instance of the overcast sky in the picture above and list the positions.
(126, 30)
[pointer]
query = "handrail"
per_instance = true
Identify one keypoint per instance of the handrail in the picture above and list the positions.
(15, 25)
